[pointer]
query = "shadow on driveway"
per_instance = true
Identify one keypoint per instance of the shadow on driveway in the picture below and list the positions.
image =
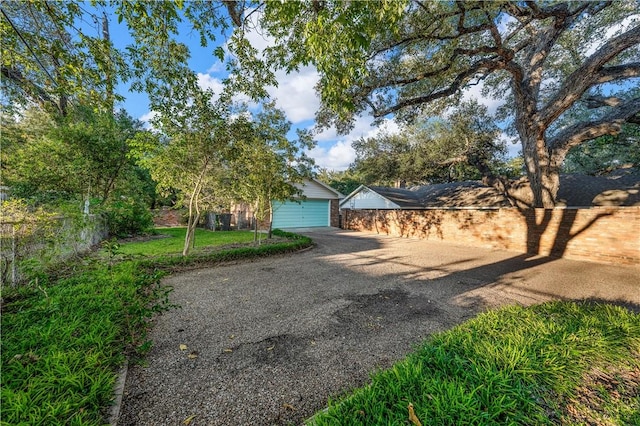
(268, 342)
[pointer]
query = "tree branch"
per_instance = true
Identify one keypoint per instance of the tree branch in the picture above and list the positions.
(594, 102)
(235, 11)
(23, 83)
(611, 123)
(618, 72)
(590, 73)
(460, 80)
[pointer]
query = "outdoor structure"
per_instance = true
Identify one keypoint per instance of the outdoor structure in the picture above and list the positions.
(454, 194)
(599, 221)
(318, 207)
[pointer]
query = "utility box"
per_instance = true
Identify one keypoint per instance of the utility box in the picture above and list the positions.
(210, 221)
(225, 221)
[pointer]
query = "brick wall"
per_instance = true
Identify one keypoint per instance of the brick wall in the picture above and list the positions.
(598, 234)
(334, 219)
(168, 217)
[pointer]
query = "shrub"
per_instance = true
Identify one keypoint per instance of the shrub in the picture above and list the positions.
(127, 217)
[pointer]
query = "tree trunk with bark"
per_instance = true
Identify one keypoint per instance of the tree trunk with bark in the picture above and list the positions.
(194, 211)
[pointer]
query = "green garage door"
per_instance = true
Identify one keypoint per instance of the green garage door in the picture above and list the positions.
(306, 214)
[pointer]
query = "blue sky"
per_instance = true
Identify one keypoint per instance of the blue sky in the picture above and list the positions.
(295, 95)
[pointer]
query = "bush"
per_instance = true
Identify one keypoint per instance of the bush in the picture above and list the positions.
(127, 217)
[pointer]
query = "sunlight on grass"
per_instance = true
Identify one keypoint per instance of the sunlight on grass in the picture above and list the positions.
(171, 241)
(511, 366)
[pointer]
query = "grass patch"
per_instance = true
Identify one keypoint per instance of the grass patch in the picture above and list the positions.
(169, 241)
(66, 334)
(63, 342)
(556, 363)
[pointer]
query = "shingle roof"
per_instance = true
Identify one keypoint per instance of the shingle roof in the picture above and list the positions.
(620, 188)
(453, 194)
(403, 197)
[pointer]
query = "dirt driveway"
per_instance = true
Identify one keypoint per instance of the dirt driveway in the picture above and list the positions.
(268, 342)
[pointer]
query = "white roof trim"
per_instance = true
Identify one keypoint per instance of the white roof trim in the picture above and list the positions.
(359, 189)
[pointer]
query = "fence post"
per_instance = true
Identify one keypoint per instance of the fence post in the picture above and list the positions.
(13, 256)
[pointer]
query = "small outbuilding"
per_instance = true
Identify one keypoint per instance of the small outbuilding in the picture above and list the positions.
(455, 194)
(318, 208)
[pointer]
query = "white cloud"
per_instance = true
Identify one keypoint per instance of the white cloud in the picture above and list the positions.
(146, 119)
(475, 92)
(296, 94)
(513, 145)
(297, 97)
(205, 81)
(337, 157)
(341, 154)
(216, 67)
(258, 39)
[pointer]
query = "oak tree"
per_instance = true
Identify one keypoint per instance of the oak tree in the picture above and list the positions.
(464, 145)
(402, 59)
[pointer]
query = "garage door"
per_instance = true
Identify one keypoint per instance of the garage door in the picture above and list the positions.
(308, 213)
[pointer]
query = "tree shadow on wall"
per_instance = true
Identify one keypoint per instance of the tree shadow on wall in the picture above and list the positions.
(550, 231)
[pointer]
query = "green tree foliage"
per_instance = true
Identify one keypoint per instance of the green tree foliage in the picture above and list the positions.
(190, 151)
(463, 146)
(345, 181)
(57, 53)
(159, 62)
(407, 58)
(382, 159)
(214, 153)
(83, 156)
(606, 153)
(266, 164)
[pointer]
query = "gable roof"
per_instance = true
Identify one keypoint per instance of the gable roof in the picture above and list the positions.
(313, 188)
(454, 194)
(404, 198)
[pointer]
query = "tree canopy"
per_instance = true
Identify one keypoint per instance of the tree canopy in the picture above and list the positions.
(463, 146)
(606, 153)
(409, 58)
(564, 69)
(60, 69)
(266, 164)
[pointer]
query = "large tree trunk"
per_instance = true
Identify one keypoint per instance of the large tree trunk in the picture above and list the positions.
(543, 176)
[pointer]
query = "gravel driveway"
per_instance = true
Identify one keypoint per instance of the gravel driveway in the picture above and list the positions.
(270, 341)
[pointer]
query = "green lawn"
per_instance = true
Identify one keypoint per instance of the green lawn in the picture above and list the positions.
(171, 241)
(556, 363)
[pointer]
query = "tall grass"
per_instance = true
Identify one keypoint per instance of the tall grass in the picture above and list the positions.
(511, 366)
(62, 342)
